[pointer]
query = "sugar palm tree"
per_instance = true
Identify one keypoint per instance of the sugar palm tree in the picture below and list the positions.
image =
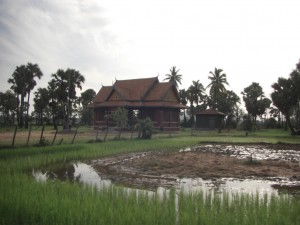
(18, 82)
(23, 82)
(217, 85)
(284, 98)
(65, 84)
(174, 76)
(33, 71)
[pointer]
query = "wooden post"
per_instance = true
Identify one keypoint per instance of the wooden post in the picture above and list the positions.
(105, 134)
(75, 135)
(97, 134)
(42, 134)
(61, 140)
(13, 142)
(28, 135)
(131, 133)
(54, 136)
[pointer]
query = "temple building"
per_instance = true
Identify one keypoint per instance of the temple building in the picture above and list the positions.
(145, 97)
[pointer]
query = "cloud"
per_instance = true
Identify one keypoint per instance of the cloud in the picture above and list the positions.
(252, 41)
(55, 34)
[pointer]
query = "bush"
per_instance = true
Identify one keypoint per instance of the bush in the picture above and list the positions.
(145, 127)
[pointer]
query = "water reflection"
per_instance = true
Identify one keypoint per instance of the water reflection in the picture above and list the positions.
(84, 173)
(72, 172)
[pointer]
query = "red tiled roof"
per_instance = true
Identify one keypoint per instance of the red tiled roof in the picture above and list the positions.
(210, 112)
(146, 92)
(158, 91)
(134, 89)
(103, 93)
(140, 104)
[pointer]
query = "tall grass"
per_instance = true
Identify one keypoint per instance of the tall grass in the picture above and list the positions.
(25, 201)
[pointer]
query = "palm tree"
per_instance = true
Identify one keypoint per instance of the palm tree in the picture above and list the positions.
(196, 91)
(41, 102)
(65, 83)
(217, 85)
(22, 84)
(183, 95)
(174, 76)
(196, 94)
(284, 98)
(18, 82)
(33, 71)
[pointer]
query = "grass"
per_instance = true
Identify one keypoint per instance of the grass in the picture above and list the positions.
(25, 201)
(87, 134)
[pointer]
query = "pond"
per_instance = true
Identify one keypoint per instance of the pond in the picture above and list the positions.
(155, 171)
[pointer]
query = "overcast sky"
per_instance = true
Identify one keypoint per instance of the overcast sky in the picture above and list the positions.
(251, 40)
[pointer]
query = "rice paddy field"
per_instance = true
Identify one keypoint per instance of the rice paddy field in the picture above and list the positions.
(23, 200)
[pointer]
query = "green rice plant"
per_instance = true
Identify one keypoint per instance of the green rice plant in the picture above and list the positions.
(25, 201)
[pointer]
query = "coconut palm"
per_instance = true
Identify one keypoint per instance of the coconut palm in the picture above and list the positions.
(196, 92)
(174, 76)
(217, 85)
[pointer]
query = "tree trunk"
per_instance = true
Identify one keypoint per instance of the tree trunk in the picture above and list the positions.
(21, 121)
(288, 121)
(18, 110)
(27, 112)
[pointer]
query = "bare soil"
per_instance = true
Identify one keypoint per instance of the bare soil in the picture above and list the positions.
(196, 164)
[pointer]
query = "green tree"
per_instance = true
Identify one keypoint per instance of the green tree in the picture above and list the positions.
(217, 86)
(295, 77)
(86, 99)
(53, 92)
(183, 95)
(33, 71)
(196, 94)
(255, 101)
(174, 76)
(8, 106)
(65, 84)
(145, 127)
(41, 103)
(284, 97)
(23, 82)
(229, 104)
(120, 117)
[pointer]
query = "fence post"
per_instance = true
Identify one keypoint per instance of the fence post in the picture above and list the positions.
(29, 135)
(105, 134)
(13, 142)
(42, 134)
(75, 134)
(61, 140)
(54, 136)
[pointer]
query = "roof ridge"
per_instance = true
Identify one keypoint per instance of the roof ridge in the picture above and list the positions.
(155, 82)
(144, 78)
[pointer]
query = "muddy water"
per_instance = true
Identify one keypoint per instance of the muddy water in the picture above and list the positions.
(257, 152)
(87, 174)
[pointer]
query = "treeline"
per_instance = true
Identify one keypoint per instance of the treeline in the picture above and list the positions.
(57, 104)
(281, 111)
